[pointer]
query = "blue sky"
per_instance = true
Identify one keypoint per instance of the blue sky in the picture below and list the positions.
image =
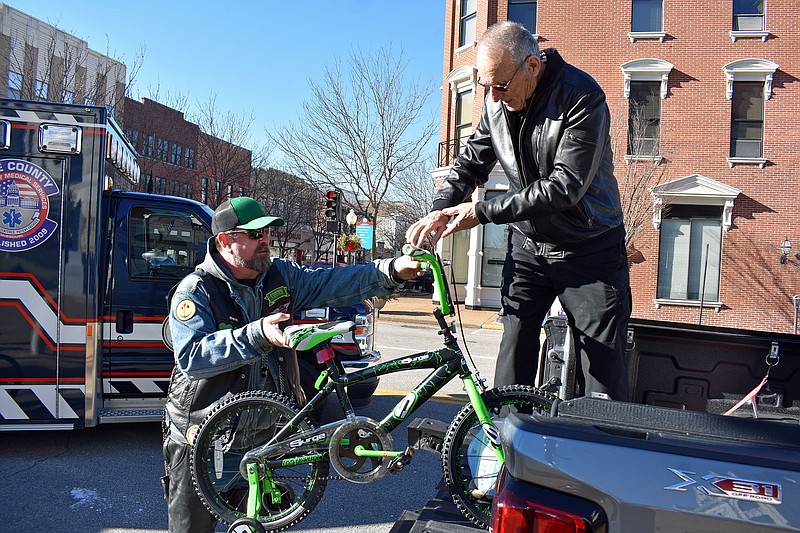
(256, 56)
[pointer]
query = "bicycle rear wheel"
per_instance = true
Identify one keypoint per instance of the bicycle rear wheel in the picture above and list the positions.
(469, 463)
(235, 426)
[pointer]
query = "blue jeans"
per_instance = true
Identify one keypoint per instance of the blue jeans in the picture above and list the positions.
(594, 290)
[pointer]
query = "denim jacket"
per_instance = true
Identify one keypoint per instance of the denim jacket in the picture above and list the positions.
(213, 362)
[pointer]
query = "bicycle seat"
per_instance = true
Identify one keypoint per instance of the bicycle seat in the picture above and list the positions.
(309, 336)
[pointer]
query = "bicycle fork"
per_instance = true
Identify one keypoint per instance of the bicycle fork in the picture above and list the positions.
(489, 429)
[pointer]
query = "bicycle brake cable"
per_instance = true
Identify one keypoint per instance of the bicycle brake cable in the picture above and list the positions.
(477, 373)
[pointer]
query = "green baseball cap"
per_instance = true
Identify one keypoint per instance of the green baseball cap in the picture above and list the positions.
(241, 213)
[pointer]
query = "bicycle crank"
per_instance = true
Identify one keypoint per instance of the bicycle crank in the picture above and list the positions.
(361, 451)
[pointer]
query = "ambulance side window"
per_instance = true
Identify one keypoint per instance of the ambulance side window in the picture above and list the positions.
(164, 244)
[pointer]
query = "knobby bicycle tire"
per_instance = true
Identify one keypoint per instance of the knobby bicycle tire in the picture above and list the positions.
(468, 462)
(236, 425)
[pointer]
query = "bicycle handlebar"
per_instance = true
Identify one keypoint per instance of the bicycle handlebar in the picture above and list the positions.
(436, 269)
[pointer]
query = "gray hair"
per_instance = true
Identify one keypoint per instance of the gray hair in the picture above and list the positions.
(512, 37)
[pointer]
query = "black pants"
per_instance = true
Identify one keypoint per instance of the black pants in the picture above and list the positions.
(186, 512)
(594, 290)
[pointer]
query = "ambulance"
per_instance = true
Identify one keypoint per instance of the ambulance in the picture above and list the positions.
(85, 268)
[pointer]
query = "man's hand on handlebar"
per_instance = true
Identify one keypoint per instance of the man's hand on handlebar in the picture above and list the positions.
(407, 268)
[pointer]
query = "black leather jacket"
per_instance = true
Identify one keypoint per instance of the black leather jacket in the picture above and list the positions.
(562, 189)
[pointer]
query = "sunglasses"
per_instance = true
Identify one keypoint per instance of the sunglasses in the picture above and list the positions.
(502, 87)
(253, 234)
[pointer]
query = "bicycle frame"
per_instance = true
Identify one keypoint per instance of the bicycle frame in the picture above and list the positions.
(446, 363)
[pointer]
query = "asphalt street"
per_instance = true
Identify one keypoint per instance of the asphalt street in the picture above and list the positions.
(106, 479)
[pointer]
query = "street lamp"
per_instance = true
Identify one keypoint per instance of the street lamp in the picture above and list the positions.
(786, 249)
(352, 218)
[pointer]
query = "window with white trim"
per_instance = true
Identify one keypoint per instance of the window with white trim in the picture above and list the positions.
(524, 12)
(748, 15)
(748, 86)
(691, 214)
(644, 119)
(463, 127)
(647, 20)
(646, 82)
(747, 119)
(468, 22)
(689, 253)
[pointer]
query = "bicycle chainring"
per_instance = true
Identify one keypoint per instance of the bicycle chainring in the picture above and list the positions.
(361, 431)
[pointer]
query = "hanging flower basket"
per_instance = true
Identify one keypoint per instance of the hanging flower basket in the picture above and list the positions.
(349, 242)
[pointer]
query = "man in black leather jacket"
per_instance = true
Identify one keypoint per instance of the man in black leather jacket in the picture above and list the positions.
(547, 124)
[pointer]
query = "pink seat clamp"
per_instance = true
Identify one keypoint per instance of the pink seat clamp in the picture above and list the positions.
(325, 354)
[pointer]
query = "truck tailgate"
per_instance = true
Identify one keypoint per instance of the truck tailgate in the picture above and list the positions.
(660, 469)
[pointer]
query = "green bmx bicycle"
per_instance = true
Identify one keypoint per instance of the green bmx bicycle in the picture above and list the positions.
(261, 464)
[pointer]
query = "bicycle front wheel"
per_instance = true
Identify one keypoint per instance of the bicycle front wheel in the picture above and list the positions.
(469, 462)
(235, 426)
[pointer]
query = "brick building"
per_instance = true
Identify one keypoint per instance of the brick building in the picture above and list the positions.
(167, 146)
(705, 106)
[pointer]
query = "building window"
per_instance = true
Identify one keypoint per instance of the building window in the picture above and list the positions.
(89, 101)
(524, 12)
(646, 16)
(188, 161)
(495, 245)
(689, 253)
(177, 154)
(230, 190)
(163, 150)
(68, 97)
(218, 191)
(15, 85)
(644, 119)
(747, 119)
(160, 186)
(464, 101)
(204, 189)
(241, 191)
(748, 15)
(468, 28)
(149, 143)
(42, 88)
(133, 137)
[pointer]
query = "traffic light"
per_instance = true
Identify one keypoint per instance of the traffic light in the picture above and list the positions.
(333, 203)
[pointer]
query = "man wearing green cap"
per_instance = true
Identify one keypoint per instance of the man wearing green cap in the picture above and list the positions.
(225, 321)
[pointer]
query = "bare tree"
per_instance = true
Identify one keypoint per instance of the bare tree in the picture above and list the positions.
(46, 63)
(358, 132)
(294, 200)
(226, 151)
(646, 166)
(415, 188)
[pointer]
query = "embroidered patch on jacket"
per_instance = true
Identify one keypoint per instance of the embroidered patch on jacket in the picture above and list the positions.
(185, 310)
(191, 434)
(276, 294)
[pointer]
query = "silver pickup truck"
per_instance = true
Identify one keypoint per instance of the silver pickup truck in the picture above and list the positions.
(672, 461)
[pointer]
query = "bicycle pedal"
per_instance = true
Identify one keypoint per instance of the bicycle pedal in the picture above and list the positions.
(400, 462)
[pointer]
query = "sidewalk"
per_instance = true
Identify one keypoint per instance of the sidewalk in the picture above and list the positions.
(418, 309)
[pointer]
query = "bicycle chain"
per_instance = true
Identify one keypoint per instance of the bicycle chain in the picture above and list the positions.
(300, 478)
